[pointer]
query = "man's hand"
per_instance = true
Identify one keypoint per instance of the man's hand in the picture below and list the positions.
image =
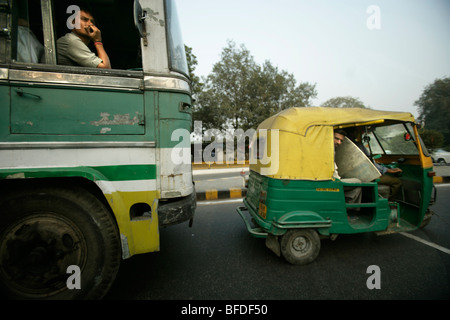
(394, 170)
(94, 33)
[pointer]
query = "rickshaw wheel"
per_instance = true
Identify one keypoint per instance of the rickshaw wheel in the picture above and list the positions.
(300, 246)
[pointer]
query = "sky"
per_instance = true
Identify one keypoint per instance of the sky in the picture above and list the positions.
(384, 52)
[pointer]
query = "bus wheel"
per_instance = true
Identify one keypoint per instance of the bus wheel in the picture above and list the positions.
(56, 243)
(300, 246)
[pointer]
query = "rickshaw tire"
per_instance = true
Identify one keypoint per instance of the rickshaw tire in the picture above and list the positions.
(300, 246)
(426, 219)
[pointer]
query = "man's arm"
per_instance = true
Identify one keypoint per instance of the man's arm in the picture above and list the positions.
(96, 37)
(101, 53)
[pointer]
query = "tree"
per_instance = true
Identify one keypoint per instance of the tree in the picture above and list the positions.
(241, 94)
(192, 62)
(434, 107)
(433, 139)
(344, 102)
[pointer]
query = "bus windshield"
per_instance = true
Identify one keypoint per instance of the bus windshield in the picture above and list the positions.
(177, 54)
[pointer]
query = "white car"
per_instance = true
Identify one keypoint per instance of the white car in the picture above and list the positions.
(441, 156)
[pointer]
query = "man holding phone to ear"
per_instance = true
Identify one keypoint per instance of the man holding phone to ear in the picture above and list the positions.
(73, 47)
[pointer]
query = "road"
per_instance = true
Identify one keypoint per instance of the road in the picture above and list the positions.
(217, 259)
(222, 179)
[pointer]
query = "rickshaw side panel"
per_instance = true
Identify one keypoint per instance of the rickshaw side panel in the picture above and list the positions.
(278, 205)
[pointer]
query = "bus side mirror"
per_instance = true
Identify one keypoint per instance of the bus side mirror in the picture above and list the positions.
(139, 21)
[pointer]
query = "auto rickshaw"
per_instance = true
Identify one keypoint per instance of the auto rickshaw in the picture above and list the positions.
(294, 197)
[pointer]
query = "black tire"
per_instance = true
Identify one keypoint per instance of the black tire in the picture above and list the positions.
(44, 231)
(300, 246)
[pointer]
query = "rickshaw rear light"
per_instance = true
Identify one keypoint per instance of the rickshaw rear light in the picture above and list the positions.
(262, 196)
(431, 174)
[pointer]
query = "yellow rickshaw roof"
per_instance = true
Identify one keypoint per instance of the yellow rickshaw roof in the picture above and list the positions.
(301, 139)
(298, 120)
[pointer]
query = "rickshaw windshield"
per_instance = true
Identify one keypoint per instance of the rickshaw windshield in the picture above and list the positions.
(396, 139)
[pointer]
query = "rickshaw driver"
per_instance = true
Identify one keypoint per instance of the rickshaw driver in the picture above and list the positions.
(352, 194)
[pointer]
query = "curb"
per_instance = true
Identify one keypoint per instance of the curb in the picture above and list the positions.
(236, 193)
(438, 180)
(214, 194)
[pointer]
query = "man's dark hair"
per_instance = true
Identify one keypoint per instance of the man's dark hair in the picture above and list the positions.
(84, 6)
(340, 131)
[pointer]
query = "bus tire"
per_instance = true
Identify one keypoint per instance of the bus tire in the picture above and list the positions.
(56, 243)
(300, 246)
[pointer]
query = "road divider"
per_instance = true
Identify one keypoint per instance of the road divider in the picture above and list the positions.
(214, 194)
(441, 179)
(237, 193)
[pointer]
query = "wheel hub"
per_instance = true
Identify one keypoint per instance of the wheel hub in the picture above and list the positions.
(36, 251)
(300, 244)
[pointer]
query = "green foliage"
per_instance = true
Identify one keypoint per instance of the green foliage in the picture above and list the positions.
(241, 94)
(344, 102)
(196, 84)
(433, 139)
(434, 107)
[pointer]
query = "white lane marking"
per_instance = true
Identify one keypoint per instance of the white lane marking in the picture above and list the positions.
(442, 185)
(428, 243)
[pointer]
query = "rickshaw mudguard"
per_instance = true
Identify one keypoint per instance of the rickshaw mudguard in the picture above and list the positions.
(291, 220)
(301, 219)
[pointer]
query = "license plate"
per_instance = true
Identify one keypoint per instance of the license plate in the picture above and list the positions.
(262, 210)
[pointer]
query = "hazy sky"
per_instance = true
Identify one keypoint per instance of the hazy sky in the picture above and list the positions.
(329, 42)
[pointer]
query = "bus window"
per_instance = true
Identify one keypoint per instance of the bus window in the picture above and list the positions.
(115, 20)
(29, 47)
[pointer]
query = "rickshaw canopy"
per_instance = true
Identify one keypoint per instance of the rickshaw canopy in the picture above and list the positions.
(299, 142)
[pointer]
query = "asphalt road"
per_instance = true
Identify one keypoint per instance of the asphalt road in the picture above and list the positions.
(217, 259)
(219, 179)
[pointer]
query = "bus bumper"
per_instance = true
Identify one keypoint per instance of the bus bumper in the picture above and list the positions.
(177, 210)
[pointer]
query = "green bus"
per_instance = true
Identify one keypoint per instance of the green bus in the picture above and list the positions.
(87, 175)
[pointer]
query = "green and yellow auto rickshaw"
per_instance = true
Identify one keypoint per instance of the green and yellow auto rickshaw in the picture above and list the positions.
(299, 180)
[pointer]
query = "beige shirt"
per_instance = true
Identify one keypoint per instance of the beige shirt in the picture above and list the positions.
(73, 52)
